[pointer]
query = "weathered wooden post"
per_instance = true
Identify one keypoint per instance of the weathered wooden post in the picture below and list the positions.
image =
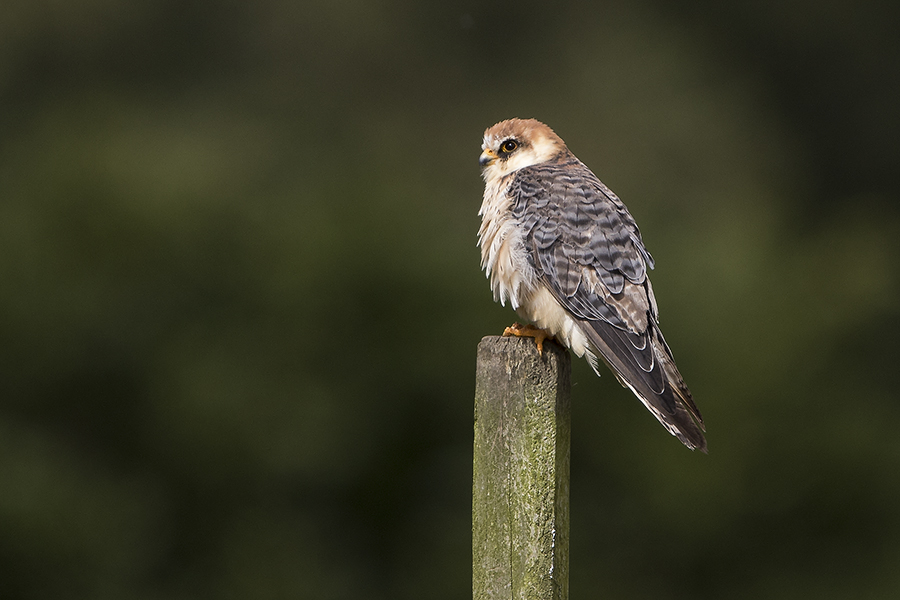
(520, 497)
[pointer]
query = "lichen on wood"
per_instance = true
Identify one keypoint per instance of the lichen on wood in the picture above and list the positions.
(520, 502)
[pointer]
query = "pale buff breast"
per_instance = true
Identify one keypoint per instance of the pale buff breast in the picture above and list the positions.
(505, 261)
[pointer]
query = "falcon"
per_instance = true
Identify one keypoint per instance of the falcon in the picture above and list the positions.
(565, 252)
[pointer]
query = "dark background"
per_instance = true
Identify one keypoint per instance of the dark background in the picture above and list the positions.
(240, 293)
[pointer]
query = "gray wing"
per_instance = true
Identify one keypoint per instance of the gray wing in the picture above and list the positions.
(588, 251)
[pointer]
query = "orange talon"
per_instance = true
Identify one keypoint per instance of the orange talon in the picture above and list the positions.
(531, 331)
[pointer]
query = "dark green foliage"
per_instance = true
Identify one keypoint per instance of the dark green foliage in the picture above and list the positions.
(240, 295)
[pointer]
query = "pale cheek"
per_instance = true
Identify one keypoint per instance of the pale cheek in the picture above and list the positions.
(502, 168)
(520, 161)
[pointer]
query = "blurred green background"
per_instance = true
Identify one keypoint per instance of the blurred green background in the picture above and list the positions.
(240, 293)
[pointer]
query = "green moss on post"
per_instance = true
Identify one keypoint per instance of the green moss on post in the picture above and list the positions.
(520, 498)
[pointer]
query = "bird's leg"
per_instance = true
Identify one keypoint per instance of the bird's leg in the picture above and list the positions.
(539, 335)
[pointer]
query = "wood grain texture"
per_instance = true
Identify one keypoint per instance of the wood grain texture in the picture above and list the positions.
(520, 500)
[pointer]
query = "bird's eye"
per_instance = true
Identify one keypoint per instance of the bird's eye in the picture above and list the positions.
(508, 146)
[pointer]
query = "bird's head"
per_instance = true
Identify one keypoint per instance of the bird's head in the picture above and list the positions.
(517, 143)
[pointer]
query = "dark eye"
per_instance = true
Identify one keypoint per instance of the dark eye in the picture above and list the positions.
(508, 146)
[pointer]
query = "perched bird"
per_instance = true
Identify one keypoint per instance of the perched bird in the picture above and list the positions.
(565, 252)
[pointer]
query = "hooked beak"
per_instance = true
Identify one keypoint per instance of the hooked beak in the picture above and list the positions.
(487, 157)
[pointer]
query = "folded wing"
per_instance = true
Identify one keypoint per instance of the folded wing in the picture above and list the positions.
(588, 252)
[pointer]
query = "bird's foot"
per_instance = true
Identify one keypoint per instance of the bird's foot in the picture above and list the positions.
(539, 335)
